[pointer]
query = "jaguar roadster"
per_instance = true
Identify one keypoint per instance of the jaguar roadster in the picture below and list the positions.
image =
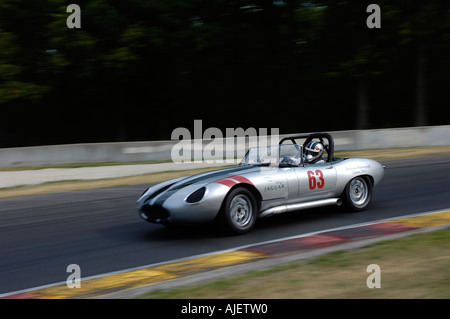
(270, 180)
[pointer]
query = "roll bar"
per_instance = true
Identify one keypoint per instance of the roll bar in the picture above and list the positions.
(309, 137)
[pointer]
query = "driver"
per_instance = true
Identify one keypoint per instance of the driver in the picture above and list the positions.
(314, 152)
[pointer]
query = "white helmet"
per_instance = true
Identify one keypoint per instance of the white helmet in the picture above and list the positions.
(314, 151)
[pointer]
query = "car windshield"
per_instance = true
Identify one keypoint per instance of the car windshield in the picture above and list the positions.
(276, 155)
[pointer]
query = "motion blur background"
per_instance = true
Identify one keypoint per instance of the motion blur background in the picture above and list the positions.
(136, 70)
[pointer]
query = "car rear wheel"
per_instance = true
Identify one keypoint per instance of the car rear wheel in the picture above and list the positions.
(358, 193)
(239, 211)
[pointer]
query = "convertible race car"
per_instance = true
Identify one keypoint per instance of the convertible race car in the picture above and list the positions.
(269, 180)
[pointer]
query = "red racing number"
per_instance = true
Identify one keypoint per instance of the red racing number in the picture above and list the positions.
(315, 179)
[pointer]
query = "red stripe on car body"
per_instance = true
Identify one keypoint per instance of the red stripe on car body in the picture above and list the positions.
(226, 182)
(241, 179)
(233, 180)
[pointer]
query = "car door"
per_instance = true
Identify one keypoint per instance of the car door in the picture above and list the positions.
(316, 181)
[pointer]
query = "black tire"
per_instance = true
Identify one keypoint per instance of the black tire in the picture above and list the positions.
(358, 193)
(239, 211)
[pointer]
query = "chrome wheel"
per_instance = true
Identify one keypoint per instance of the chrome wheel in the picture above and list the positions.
(358, 191)
(241, 210)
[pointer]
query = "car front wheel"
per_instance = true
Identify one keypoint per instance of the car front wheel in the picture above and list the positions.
(239, 211)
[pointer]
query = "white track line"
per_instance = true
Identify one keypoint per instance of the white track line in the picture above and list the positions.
(226, 250)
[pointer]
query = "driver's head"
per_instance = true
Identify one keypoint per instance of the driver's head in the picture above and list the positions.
(314, 151)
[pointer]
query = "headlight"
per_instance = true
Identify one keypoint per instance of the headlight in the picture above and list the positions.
(196, 196)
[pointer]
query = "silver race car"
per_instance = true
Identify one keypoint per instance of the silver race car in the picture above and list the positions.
(269, 180)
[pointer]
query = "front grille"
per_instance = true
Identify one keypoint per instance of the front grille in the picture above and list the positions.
(154, 213)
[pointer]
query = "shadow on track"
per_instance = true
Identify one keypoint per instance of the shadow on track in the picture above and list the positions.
(152, 232)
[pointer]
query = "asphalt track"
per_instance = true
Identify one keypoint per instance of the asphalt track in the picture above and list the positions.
(100, 230)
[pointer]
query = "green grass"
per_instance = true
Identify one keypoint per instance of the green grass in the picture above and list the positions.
(412, 267)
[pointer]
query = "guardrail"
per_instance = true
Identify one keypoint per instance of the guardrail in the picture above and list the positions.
(161, 150)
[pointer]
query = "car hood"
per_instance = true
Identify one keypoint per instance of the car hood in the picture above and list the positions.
(211, 176)
(173, 185)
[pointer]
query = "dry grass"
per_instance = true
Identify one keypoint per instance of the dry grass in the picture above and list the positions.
(398, 153)
(54, 187)
(383, 154)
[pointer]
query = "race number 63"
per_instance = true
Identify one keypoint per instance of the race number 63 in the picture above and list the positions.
(315, 179)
